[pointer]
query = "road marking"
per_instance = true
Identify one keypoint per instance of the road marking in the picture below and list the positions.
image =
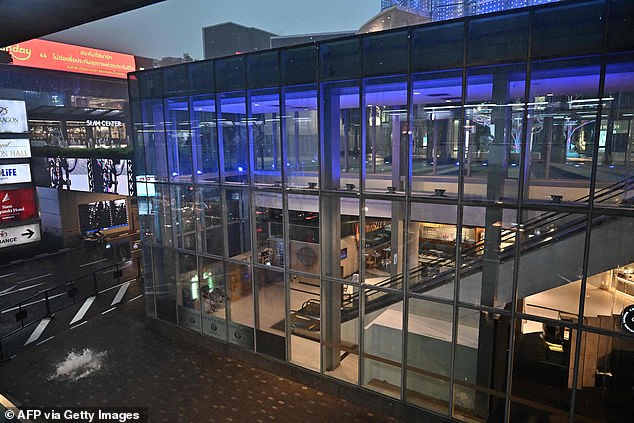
(135, 298)
(6, 291)
(64, 249)
(82, 311)
(92, 262)
(76, 326)
(29, 287)
(8, 274)
(47, 339)
(109, 310)
(120, 267)
(120, 293)
(41, 255)
(31, 303)
(35, 278)
(38, 330)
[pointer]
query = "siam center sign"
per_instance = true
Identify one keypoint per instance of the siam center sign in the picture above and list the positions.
(50, 55)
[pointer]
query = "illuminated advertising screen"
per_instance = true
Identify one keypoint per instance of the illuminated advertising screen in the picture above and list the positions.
(18, 235)
(50, 55)
(17, 204)
(102, 215)
(17, 173)
(88, 175)
(15, 148)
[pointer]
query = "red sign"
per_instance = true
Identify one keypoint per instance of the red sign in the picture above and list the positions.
(17, 204)
(70, 58)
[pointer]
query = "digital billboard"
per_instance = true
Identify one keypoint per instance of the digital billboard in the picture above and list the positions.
(44, 54)
(102, 215)
(17, 204)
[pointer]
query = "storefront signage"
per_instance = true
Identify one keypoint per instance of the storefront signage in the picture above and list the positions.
(627, 318)
(13, 117)
(15, 149)
(70, 58)
(18, 235)
(17, 204)
(15, 173)
(104, 123)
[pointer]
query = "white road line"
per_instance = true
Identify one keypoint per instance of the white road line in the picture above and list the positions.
(8, 274)
(31, 303)
(135, 298)
(109, 310)
(82, 311)
(38, 330)
(30, 286)
(76, 326)
(64, 249)
(6, 291)
(47, 339)
(120, 293)
(92, 262)
(36, 277)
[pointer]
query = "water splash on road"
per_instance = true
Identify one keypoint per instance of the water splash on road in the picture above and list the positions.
(78, 365)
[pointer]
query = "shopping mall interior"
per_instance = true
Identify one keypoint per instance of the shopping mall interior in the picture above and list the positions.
(424, 213)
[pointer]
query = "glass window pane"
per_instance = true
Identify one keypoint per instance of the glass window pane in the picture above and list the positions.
(341, 136)
(385, 53)
(264, 121)
(436, 99)
(387, 131)
(493, 128)
(148, 280)
(569, 28)
(174, 80)
(159, 219)
(229, 73)
(271, 309)
(616, 137)
(179, 143)
(153, 134)
(213, 296)
(382, 341)
(205, 138)
(620, 24)
(301, 136)
(150, 83)
(429, 352)
(240, 301)
(211, 240)
(299, 65)
(184, 215)
(542, 371)
(233, 138)
(304, 319)
(437, 46)
(262, 70)
(188, 295)
(498, 38)
(201, 77)
(165, 284)
(238, 224)
(563, 105)
(269, 229)
(432, 249)
(340, 59)
(304, 252)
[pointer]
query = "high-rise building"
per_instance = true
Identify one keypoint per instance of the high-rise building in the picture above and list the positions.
(441, 10)
(438, 217)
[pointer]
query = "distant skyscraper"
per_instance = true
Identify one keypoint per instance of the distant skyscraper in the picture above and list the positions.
(441, 10)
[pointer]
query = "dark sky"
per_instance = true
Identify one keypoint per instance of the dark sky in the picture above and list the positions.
(174, 27)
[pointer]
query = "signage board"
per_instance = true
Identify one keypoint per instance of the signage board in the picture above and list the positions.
(15, 173)
(13, 117)
(15, 148)
(18, 235)
(44, 54)
(104, 123)
(17, 204)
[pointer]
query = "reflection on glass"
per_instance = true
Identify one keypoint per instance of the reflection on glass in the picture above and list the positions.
(205, 138)
(238, 224)
(187, 292)
(436, 101)
(301, 138)
(269, 229)
(387, 131)
(240, 302)
(210, 221)
(165, 283)
(271, 309)
(153, 134)
(214, 298)
(264, 124)
(233, 138)
(179, 143)
(185, 217)
(303, 227)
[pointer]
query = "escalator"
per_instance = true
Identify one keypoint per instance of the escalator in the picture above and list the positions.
(548, 235)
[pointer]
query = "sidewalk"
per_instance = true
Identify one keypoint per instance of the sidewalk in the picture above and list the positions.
(178, 381)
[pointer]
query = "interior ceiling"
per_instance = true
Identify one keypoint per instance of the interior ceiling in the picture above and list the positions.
(22, 20)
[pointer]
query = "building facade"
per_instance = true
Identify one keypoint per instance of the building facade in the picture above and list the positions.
(232, 38)
(440, 215)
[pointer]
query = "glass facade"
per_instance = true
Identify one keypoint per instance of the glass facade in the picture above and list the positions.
(451, 231)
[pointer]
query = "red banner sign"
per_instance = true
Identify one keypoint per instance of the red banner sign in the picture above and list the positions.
(17, 204)
(44, 54)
